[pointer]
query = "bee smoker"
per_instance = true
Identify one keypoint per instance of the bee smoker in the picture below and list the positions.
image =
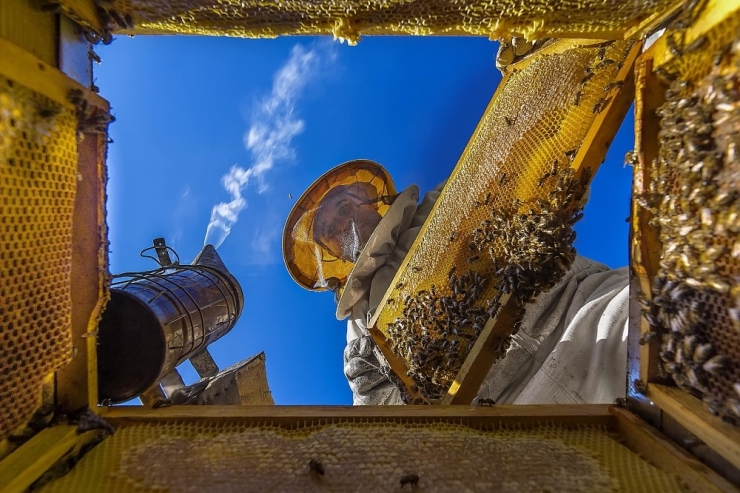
(157, 319)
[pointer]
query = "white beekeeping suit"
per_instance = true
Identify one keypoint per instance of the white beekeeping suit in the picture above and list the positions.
(571, 347)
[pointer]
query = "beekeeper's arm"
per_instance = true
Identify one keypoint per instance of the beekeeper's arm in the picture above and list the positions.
(364, 365)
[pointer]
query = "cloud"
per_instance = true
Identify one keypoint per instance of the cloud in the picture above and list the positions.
(273, 125)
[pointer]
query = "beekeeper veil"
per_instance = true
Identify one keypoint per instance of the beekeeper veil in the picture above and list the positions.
(332, 221)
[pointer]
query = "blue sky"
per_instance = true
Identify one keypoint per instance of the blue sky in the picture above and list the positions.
(185, 109)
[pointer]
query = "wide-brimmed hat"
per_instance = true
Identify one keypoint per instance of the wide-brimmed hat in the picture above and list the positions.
(309, 262)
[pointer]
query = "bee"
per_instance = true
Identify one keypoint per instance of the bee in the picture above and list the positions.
(587, 78)
(399, 285)
(640, 387)
(613, 85)
(733, 405)
(702, 353)
(415, 268)
(475, 258)
(647, 337)
(410, 479)
(720, 55)
(577, 98)
(453, 236)
(715, 364)
(91, 55)
(601, 53)
(673, 46)
(604, 63)
(486, 402)
(509, 121)
(87, 420)
(488, 195)
(665, 76)
(316, 467)
(571, 153)
(161, 403)
(631, 158)
(600, 104)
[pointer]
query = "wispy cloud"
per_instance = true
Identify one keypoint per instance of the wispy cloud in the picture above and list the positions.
(273, 125)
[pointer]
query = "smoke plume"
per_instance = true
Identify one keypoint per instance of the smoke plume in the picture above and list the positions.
(273, 125)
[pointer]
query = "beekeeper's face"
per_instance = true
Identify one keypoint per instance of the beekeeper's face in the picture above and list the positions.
(345, 221)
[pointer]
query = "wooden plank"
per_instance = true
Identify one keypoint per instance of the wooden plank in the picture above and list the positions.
(23, 24)
(484, 353)
(77, 381)
(398, 366)
(21, 66)
(691, 414)
(712, 13)
(654, 20)
(657, 449)
(26, 464)
(591, 153)
(645, 244)
(83, 12)
(484, 416)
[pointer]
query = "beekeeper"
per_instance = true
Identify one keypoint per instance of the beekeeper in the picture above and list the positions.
(349, 233)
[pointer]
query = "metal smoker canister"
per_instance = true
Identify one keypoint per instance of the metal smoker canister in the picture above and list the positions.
(156, 320)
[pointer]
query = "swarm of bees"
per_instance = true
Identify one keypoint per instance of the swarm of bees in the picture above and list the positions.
(523, 249)
(693, 196)
(531, 243)
(438, 328)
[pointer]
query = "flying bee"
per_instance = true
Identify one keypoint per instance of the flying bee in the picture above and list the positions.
(316, 467)
(486, 402)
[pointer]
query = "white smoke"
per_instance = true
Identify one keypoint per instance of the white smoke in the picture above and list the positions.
(272, 128)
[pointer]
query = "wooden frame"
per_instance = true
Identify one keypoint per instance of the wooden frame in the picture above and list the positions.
(646, 247)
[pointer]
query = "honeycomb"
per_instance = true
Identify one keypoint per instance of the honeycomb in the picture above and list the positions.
(359, 456)
(38, 178)
(347, 19)
(516, 165)
(693, 196)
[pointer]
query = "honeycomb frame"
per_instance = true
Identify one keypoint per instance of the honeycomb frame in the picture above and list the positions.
(713, 28)
(374, 448)
(507, 158)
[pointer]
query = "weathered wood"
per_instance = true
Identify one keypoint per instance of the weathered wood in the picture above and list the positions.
(657, 449)
(77, 381)
(483, 416)
(690, 413)
(25, 465)
(645, 241)
(484, 353)
(24, 68)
